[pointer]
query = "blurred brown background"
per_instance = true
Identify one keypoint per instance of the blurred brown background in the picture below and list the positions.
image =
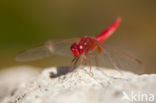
(28, 23)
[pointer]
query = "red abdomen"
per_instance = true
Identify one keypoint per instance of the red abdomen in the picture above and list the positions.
(109, 30)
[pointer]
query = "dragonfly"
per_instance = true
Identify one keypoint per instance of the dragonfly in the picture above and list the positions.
(85, 49)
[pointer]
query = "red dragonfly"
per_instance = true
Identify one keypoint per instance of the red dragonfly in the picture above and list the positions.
(84, 47)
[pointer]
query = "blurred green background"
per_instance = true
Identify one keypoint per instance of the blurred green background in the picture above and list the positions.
(27, 23)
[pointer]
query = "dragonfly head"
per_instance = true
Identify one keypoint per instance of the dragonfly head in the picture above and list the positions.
(77, 49)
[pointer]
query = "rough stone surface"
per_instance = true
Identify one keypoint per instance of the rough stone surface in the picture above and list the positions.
(57, 85)
(11, 78)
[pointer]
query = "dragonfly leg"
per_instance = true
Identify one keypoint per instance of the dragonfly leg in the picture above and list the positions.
(95, 58)
(90, 64)
(73, 63)
(81, 61)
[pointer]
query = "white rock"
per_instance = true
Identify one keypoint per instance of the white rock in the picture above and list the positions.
(57, 85)
(13, 77)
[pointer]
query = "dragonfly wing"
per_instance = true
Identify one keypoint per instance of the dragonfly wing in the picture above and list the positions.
(49, 48)
(118, 59)
(34, 54)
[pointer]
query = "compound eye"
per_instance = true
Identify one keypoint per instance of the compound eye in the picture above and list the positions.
(80, 48)
(75, 50)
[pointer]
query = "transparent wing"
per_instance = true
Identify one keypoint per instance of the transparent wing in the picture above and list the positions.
(117, 59)
(49, 48)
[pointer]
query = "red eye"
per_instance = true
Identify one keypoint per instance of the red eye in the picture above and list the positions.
(75, 50)
(80, 48)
